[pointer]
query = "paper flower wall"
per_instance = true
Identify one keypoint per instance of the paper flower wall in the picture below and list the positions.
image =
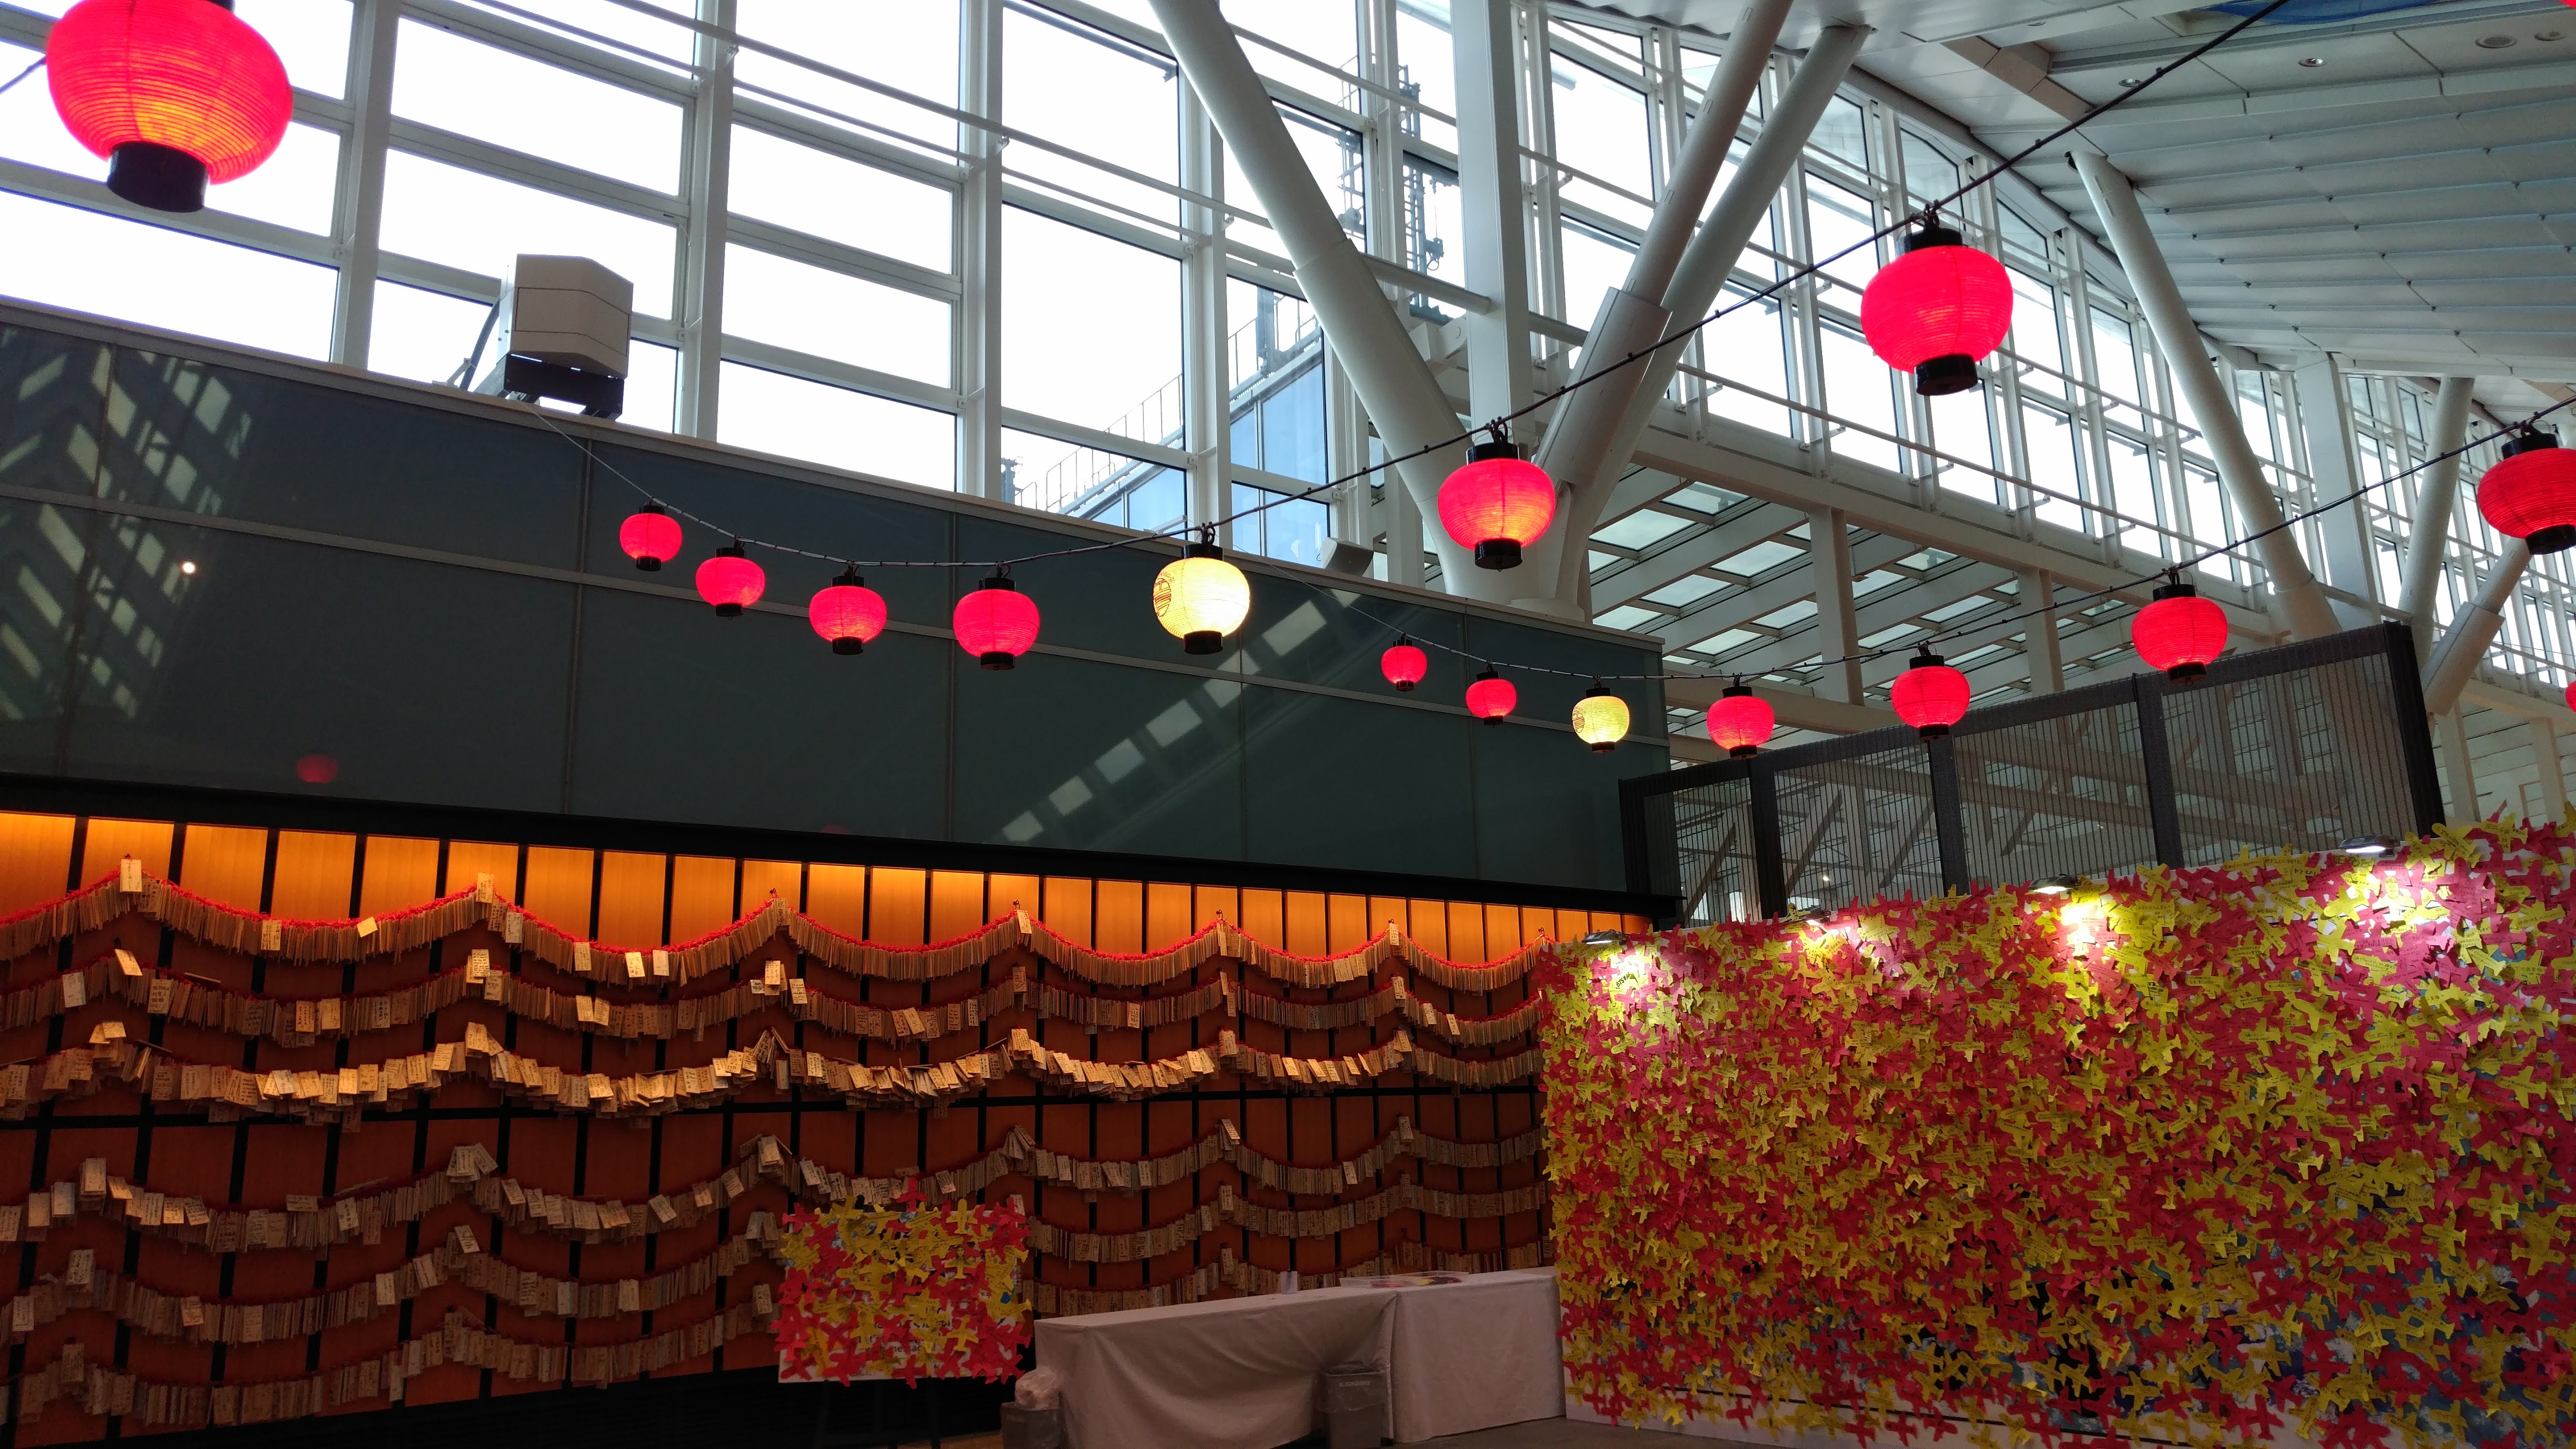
(2193, 1156)
(912, 1291)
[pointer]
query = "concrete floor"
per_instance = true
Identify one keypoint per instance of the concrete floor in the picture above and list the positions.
(1557, 1434)
(1537, 1434)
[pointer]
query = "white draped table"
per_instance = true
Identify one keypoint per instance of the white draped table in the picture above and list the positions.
(1241, 1373)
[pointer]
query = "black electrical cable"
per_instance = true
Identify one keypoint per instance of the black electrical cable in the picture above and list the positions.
(1496, 425)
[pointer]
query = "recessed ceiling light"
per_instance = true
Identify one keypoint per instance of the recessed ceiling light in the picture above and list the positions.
(2495, 42)
(2311, 62)
(2130, 82)
(188, 566)
(2547, 36)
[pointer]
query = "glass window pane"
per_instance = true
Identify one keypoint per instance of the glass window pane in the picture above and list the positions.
(1929, 171)
(1960, 428)
(443, 213)
(845, 201)
(1859, 389)
(423, 335)
(1295, 530)
(2133, 492)
(1292, 425)
(771, 412)
(829, 314)
(1594, 264)
(1601, 131)
(311, 36)
(1745, 346)
(2050, 439)
(912, 46)
(1839, 218)
(1101, 99)
(1843, 134)
(1272, 333)
(63, 256)
(2034, 329)
(1430, 67)
(445, 80)
(2115, 357)
(1433, 246)
(1062, 477)
(1091, 329)
(608, 19)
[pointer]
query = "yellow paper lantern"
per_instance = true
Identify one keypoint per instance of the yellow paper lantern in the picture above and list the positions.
(1200, 598)
(1601, 719)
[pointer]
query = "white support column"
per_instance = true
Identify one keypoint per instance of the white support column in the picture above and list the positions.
(702, 261)
(1829, 565)
(2257, 506)
(1206, 367)
(2455, 660)
(1394, 384)
(2429, 531)
(2325, 418)
(1633, 315)
(1698, 275)
(2461, 800)
(2544, 761)
(1494, 218)
(979, 252)
(2047, 659)
(358, 208)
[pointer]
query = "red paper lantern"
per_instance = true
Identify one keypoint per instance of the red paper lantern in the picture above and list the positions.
(1937, 310)
(2180, 633)
(1931, 696)
(730, 581)
(1741, 722)
(2530, 494)
(1491, 697)
(1498, 504)
(1404, 665)
(650, 537)
(848, 613)
(996, 623)
(175, 92)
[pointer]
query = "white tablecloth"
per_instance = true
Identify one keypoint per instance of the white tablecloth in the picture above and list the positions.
(1477, 1354)
(1240, 1373)
(1234, 1374)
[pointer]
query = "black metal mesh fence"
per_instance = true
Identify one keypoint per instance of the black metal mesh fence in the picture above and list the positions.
(1857, 828)
(2303, 747)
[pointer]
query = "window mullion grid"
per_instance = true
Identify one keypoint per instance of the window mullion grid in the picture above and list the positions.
(1807, 368)
(706, 182)
(975, 365)
(1538, 134)
(2084, 397)
(358, 203)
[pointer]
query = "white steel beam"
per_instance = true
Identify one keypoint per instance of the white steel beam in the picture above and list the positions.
(1402, 398)
(1208, 424)
(702, 257)
(2047, 658)
(2325, 419)
(2429, 531)
(358, 209)
(1699, 274)
(1829, 564)
(2455, 660)
(1632, 315)
(2545, 763)
(979, 251)
(2309, 615)
(1494, 223)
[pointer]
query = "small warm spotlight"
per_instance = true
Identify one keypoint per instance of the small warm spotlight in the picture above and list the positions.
(2367, 846)
(2057, 885)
